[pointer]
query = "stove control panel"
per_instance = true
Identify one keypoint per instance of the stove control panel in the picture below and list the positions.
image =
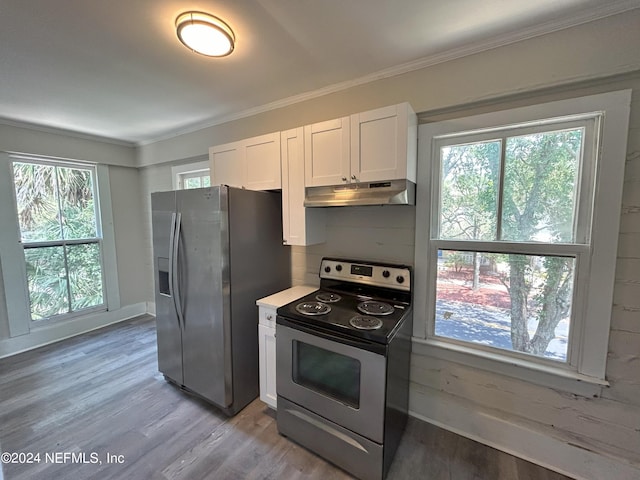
(387, 276)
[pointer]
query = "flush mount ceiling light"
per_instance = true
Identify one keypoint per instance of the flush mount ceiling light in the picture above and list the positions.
(205, 34)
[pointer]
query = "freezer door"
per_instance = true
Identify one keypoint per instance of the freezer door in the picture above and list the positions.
(168, 328)
(203, 289)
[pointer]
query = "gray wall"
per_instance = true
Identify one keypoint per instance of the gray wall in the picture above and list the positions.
(128, 219)
(592, 58)
(59, 143)
(124, 179)
(156, 178)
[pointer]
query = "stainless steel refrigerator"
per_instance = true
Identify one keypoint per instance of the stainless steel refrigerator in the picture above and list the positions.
(216, 251)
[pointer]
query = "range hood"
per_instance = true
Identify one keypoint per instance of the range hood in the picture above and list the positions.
(393, 192)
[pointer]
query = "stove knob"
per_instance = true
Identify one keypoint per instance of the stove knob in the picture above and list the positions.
(400, 279)
(339, 267)
(386, 273)
(327, 269)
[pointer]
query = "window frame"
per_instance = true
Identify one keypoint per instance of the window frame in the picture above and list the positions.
(190, 170)
(584, 371)
(99, 239)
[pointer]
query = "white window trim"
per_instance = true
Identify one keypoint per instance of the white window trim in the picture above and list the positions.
(589, 373)
(178, 171)
(13, 267)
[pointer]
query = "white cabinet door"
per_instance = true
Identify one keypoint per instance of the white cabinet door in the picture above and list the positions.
(252, 163)
(262, 162)
(227, 166)
(383, 144)
(300, 225)
(326, 146)
(267, 352)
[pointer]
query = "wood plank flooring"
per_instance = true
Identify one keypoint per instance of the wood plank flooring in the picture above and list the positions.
(101, 393)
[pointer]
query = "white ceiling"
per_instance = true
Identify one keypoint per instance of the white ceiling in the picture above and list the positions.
(115, 68)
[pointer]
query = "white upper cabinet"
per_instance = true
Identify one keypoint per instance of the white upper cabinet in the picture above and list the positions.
(226, 165)
(262, 162)
(300, 225)
(252, 163)
(326, 157)
(384, 144)
(376, 145)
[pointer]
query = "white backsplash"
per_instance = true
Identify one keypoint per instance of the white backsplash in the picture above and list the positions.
(382, 233)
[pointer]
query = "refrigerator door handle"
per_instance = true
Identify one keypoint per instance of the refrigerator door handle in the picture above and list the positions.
(172, 235)
(175, 278)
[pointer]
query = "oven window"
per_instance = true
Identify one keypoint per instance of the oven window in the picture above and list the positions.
(329, 373)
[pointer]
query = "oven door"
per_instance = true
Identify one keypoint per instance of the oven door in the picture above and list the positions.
(338, 381)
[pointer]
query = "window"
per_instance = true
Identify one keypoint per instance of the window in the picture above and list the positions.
(511, 243)
(195, 179)
(60, 235)
(191, 175)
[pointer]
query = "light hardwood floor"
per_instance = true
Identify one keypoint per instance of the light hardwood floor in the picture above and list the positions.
(101, 393)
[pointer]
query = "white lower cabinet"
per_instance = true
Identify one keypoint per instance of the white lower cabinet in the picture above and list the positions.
(267, 344)
(267, 307)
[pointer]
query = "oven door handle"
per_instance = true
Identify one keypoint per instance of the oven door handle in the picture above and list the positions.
(369, 346)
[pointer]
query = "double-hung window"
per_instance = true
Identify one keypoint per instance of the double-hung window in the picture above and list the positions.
(57, 209)
(517, 234)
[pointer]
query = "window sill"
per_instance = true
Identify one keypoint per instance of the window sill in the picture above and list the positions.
(544, 375)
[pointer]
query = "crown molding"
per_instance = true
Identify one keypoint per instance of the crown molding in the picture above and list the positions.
(601, 11)
(68, 133)
(605, 9)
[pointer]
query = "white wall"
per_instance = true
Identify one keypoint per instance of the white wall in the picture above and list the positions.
(590, 437)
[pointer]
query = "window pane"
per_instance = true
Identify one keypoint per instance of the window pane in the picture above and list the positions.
(512, 302)
(469, 191)
(206, 181)
(85, 275)
(541, 174)
(47, 281)
(37, 202)
(192, 182)
(76, 201)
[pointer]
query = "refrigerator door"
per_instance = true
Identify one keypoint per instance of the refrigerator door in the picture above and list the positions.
(167, 324)
(203, 292)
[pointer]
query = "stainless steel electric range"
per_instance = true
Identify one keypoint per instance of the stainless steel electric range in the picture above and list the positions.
(342, 365)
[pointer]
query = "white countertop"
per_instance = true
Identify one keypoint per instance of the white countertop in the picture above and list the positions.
(285, 296)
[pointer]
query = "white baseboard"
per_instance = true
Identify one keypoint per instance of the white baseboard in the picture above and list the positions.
(68, 328)
(151, 308)
(517, 439)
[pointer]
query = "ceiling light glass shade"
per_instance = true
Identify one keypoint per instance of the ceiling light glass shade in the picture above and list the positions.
(205, 34)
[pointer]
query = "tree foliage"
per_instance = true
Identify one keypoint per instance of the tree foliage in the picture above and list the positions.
(537, 191)
(55, 204)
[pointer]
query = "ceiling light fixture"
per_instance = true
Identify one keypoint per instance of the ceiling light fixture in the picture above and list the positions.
(205, 34)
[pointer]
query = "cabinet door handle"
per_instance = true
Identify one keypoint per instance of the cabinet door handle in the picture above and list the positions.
(269, 317)
(344, 179)
(353, 177)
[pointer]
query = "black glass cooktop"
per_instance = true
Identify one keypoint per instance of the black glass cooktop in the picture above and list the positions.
(338, 318)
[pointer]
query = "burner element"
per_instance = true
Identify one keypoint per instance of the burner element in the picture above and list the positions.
(372, 307)
(313, 308)
(364, 322)
(328, 297)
